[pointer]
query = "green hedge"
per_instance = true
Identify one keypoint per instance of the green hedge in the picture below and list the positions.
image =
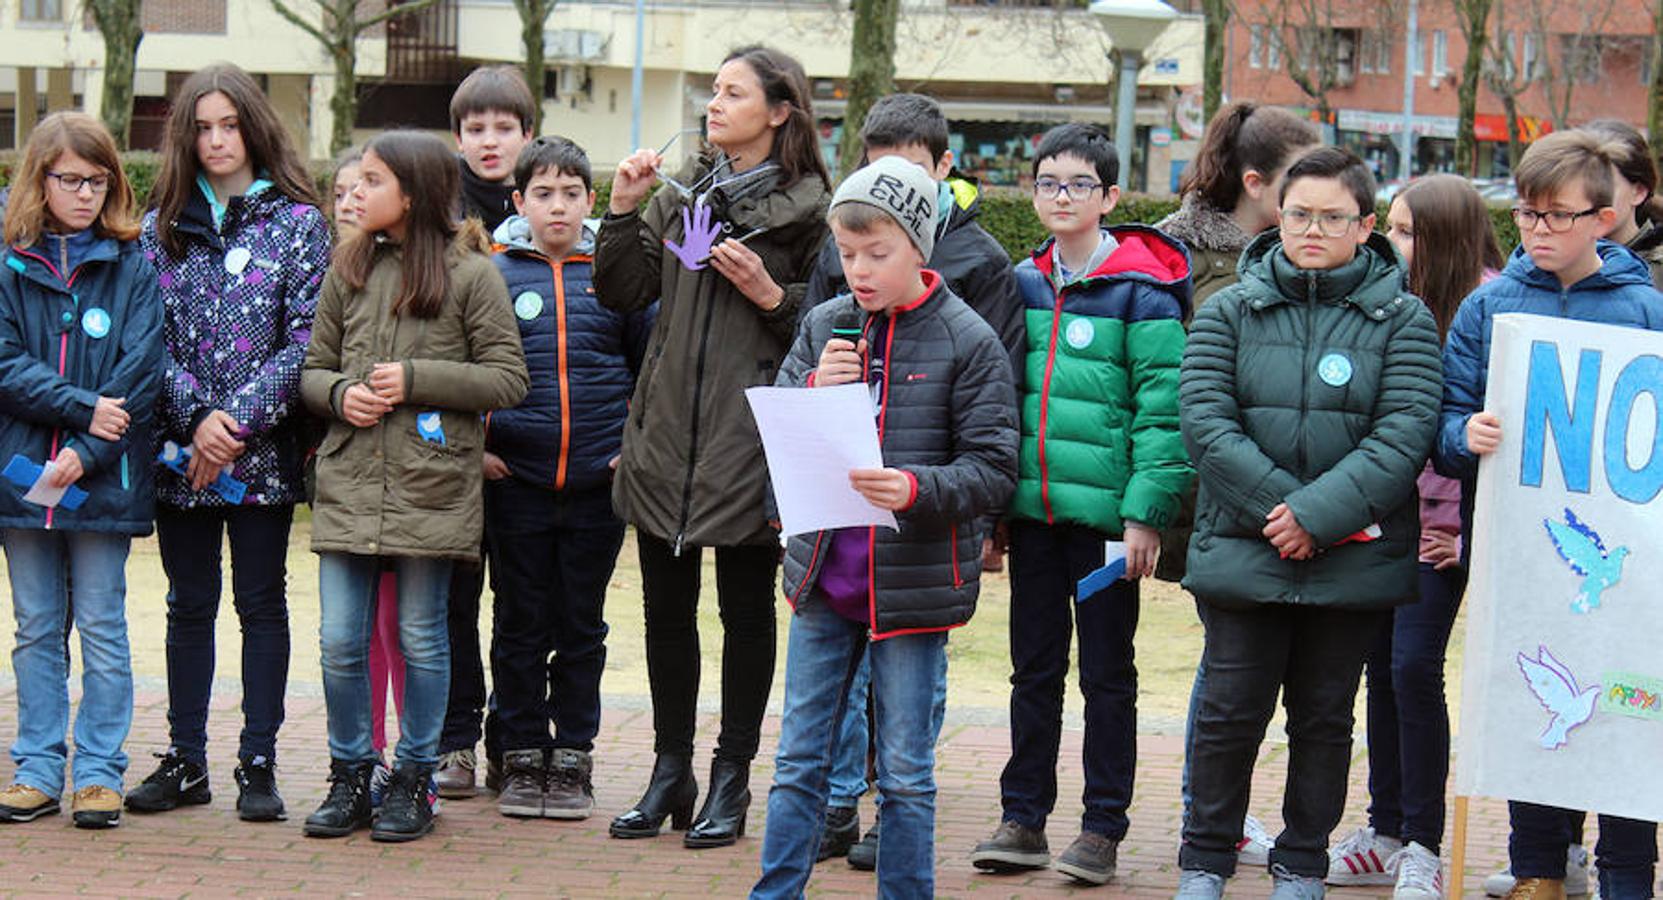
(1006, 214)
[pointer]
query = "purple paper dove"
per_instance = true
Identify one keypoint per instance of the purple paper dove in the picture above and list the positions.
(1556, 689)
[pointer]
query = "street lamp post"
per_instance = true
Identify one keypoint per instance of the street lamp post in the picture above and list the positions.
(1132, 25)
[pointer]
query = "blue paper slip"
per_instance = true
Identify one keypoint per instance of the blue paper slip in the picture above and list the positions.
(1114, 569)
(178, 458)
(431, 427)
(24, 472)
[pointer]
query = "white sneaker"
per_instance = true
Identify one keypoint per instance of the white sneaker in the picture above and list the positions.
(1578, 876)
(1420, 874)
(1254, 849)
(1364, 858)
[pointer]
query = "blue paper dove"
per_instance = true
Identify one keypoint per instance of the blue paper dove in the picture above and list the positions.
(1581, 548)
(1556, 689)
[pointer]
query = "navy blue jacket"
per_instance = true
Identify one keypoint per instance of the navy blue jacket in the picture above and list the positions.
(1620, 293)
(65, 342)
(583, 360)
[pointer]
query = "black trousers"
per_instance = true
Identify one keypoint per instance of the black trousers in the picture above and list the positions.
(466, 707)
(552, 554)
(1314, 657)
(745, 597)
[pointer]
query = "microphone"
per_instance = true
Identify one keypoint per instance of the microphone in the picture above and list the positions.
(847, 324)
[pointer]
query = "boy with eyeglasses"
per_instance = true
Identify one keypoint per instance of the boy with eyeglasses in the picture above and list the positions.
(1563, 267)
(1101, 460)
(1309, 397)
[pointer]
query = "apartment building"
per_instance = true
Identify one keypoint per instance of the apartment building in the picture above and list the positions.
(1004, 71)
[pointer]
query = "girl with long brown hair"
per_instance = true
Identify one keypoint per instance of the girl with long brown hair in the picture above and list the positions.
(240, 247)
(414, 339)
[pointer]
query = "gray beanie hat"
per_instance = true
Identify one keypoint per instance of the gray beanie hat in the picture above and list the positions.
(901, 189)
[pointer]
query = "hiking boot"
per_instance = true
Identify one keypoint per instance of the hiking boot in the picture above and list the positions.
(21, 803)
(1420, 874)
(1577, 878)
(1537, 889)
(841, 832)
(569, 792)
(1364, 857)
(1090, 859)
(96, 806)
(522, 784)
(1195, 884)
(863, 856)
(1253, 850)
(405, 815)
(1288, 886)
(257, 798)
(347, 807)
(1013, 848)
(456, 774)
(176, 782)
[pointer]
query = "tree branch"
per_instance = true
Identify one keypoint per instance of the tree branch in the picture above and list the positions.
(391, 12)
(298, 22)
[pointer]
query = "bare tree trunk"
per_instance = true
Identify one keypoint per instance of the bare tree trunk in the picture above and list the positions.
(344, 103)
(1474, 17)
(1510, 108)
(871, 72)
(1654, 91)
(1215, 25)
(534, 15)
(119, 23)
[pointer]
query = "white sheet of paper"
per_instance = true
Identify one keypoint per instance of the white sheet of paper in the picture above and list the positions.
(42, 494)
(1113, 551)
(813, 437)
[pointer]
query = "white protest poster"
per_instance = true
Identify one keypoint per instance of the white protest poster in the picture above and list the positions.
(1562, 694)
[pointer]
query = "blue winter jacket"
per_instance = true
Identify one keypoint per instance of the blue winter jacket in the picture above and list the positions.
(1620, 293)
(65, 342)
(583, 359)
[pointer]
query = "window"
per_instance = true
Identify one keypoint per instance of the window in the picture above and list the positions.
(1531, 64)
(1585, 55)
(1376, 52)
(1412, 50)
(1256, 46)
(1440, 53)
(40, 11)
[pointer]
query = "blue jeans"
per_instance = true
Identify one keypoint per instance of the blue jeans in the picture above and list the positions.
(908, 676)
(1408, 714)
(347, 586)
(848, 778)
(190, 541)
(41, 566)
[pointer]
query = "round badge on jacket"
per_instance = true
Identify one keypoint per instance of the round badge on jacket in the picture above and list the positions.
(237, 259)
(1334, 369)
(1080, 333)
(95, 322)
(528, 305)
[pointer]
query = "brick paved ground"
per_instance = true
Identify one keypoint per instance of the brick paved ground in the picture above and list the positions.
(206, 851)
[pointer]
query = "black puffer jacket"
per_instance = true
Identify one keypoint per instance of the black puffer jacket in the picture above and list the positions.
(949, 422)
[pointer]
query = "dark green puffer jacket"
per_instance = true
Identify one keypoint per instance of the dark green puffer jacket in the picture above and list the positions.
(1319, 389)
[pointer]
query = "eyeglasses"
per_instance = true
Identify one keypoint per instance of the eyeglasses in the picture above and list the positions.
(72, 183)
(1332, 224)
(1079, 189)
(1558, 221)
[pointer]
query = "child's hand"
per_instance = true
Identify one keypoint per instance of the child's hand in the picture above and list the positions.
(200, 472)
(632, 180)
(1143, 550)
(886, 488)
(495, 468)
(216, 441)
(362, 407)
(109, 420)
(66, 469)
(387, 380)
(1286, 534)
(1483, 432)
(1440, 548)
(839, 362)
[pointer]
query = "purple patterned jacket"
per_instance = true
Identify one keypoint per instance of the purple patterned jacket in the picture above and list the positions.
(239, 307)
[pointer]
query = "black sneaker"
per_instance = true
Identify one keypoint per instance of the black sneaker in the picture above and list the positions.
(842, 831)
(257, 799)
(176, 782)
(405, 814)
(569, 791)
(864, 855)
(1090, 859)
(1013, 848)
(347, 808)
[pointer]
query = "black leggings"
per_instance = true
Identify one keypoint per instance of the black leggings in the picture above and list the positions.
(745, 596)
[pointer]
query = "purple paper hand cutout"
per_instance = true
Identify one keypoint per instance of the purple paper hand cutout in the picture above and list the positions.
(699, 233)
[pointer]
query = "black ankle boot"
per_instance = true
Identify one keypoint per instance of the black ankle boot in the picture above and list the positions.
(347, 808)
(671, 793)
(722, 820)
(405, 814)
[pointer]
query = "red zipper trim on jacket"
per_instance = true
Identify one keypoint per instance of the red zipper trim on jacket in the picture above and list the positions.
(883, 416)
(953, 535)
(561, 375)
(798, 593)
(1045, 409)
(905, 631)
